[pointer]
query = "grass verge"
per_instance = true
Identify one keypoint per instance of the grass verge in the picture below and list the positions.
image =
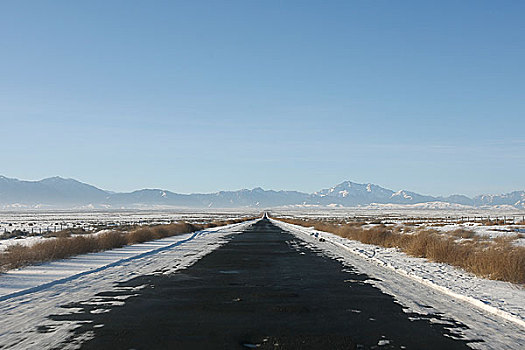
(498, 260)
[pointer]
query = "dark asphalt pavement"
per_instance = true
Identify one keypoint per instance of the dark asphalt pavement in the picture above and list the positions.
(264, 289)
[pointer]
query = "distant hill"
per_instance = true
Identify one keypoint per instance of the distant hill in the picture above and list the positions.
(57, 192)
(53, 191)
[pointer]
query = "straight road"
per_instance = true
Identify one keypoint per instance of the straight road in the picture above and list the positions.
(264, 289)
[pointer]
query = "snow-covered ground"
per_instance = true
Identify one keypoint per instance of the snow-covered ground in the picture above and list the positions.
(494, 311)
(514, 233)
(489, 232)
(39, 221)
(402, 213)
(26, 241)
(443, 220)
(28, 296)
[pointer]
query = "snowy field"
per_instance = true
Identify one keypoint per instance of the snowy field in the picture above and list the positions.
(92, 219)
(28, 227)
(443, 220)
(514, 232)
(403, 213)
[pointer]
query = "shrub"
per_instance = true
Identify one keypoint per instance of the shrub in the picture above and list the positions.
(463, 233)
(140, 235)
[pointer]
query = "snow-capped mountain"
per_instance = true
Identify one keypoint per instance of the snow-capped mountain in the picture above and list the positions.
(350, 193)
(57, 192)
(516, 198)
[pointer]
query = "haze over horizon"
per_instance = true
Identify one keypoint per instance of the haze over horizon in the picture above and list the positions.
(205, 96)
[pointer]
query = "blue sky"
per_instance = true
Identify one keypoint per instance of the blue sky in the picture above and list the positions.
(199, 96)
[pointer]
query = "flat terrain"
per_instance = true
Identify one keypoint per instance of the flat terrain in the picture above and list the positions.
(263, 289)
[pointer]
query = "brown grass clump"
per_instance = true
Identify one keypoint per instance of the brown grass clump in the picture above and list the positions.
(58, 248)
(63, 245)
(111, 240)
(499, 260)
(462, 233)
(493, 222)
(140, 235)
(66, 232)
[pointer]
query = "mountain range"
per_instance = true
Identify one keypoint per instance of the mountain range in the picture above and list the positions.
(57, 192)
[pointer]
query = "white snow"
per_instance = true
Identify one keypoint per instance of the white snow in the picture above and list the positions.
(402, 193)
(488, 232)
(26, 241)
(493, 310)
(41, 221)
(400, 211)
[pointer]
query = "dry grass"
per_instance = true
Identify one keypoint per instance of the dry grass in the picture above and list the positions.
(63, 245)
(462, 233)
(493, 222)
(499, 260)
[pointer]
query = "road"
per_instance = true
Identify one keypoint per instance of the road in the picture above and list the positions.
(263, 289)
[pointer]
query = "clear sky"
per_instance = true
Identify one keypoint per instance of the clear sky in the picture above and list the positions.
(200, 96)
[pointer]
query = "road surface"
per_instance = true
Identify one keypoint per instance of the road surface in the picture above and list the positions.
(263, 289)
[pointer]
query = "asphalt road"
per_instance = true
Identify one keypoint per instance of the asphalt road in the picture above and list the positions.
(264, 289)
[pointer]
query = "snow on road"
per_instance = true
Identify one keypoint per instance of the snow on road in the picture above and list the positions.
(28, 296)
(494, 311)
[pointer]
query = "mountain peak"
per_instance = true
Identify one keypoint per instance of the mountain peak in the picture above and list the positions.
(58, 179)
